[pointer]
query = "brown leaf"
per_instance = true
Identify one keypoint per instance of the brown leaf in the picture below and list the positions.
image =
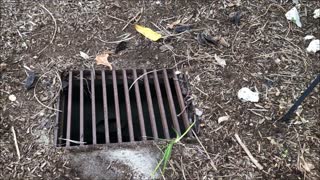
(103, 59)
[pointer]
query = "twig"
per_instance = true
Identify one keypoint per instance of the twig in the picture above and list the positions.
(132, 19)
(182, 169)
(201, 91)
(268, 10)
(204, 149)
(42, 50)
(15, 141)
(244, 147)
(234, 40)
(35, 95)
(184, 109)
(124, 37)
(55, 23)
(113, 17)
(141, 76)
(73, 141)
(116, 42)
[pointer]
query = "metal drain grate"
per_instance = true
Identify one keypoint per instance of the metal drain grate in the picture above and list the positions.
(97, 107)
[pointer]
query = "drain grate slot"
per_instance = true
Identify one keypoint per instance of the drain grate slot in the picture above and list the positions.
(97, 107)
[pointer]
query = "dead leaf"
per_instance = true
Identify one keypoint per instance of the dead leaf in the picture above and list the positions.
(84, 55)
(223, 118)
(220, 61)
(171, 26)
(148, 33)
(103, 60)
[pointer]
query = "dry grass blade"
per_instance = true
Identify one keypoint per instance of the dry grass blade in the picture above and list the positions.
(167, 154)
(15, 142)
(141, 76)
(54, 20)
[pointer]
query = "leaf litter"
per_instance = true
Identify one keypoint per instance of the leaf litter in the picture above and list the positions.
(102, 59)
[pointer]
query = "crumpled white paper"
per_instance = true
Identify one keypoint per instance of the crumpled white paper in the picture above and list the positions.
(245, 95)
(316, 13)
(314, 46)
(309, 37)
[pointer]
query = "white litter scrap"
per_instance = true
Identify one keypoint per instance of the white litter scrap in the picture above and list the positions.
(314, 46)
(220, 61)
(223, 118)
(316, 13)
(293, 15)
(84, 55)
(12, 98)
(245, 95)
(198, 112)
(308, 37)
(295, 1)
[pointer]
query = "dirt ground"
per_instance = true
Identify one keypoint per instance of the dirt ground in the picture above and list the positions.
(266, 52)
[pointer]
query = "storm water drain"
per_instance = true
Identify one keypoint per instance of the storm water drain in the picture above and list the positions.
(101, 107)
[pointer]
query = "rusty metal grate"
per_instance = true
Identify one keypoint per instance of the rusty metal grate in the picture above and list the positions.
(97, 107)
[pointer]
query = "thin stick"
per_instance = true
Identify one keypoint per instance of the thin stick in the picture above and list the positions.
(268, 10)
(141, 77)
(244, 147)
(182, 170)
(204, 149)
(132, 19)
(15, 141)
(116, 42)
(73, 141)
(36, 97)
(113, 17)
(55, 23)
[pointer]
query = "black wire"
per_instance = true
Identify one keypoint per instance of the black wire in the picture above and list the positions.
(295, 106)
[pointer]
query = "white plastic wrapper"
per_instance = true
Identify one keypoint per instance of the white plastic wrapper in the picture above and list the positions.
(314, 46)
(293, 15)
(245, 95)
